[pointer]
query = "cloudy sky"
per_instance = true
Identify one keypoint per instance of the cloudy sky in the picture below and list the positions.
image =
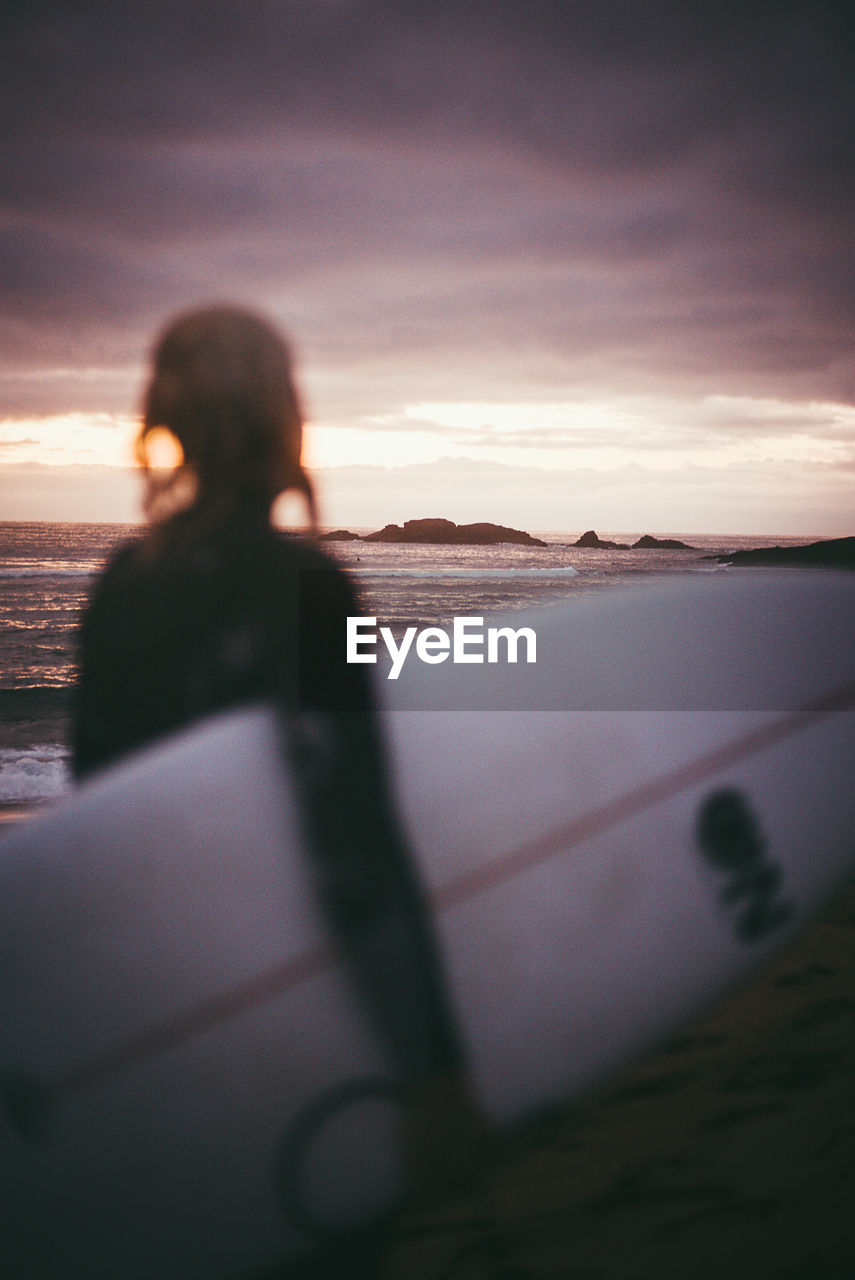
(551, 264)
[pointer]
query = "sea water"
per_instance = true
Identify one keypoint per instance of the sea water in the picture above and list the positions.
(47, 571)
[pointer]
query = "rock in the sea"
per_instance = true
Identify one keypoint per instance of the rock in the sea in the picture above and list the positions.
(648, 543)
(590, 539)
(832, 553)
(339, 535)
(440, 531)
(484, 534)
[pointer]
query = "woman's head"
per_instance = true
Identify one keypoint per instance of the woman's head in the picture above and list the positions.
(222, 386)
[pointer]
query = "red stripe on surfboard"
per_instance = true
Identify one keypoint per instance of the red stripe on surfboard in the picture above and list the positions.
(191, 1022)
(276, 981)
(645, 796)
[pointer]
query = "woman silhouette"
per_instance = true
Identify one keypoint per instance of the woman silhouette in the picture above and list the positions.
(213, 607)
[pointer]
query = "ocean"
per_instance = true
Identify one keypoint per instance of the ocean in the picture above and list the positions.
(47, 571)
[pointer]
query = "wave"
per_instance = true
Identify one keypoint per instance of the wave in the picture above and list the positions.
(563, 571)
(45, 571)
(35, 773)
(35, 702)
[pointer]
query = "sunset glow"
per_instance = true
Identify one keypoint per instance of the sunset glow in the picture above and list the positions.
(66, 439)
(537, 264)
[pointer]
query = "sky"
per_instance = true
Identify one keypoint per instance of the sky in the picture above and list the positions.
(556, 265)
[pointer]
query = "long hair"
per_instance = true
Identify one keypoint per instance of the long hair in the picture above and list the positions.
(223, 387)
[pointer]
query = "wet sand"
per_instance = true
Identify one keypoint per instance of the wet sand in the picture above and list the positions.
(728, 1153)
(12, 812)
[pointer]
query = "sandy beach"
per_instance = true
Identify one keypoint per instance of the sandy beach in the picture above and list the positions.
(11, 814)
(730, 1152)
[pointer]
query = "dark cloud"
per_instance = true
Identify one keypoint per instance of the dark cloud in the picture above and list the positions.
(532, 198)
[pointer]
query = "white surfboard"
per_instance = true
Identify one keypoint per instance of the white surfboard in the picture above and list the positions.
(189, 1089)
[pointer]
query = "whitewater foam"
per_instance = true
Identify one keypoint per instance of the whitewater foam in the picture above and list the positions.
(558, 571)
(33, 774)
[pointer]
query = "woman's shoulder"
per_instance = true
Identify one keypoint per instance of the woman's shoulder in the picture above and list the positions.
(125, 554)
(260, 558)
(320, 573)
(301, 549)
(119, 566)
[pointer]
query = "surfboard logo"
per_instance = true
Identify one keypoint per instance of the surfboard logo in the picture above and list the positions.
(730, 838)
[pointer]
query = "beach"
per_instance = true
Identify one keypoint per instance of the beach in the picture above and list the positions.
(730, 1151)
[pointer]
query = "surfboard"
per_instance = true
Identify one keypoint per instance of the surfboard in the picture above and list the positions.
(610, 837)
